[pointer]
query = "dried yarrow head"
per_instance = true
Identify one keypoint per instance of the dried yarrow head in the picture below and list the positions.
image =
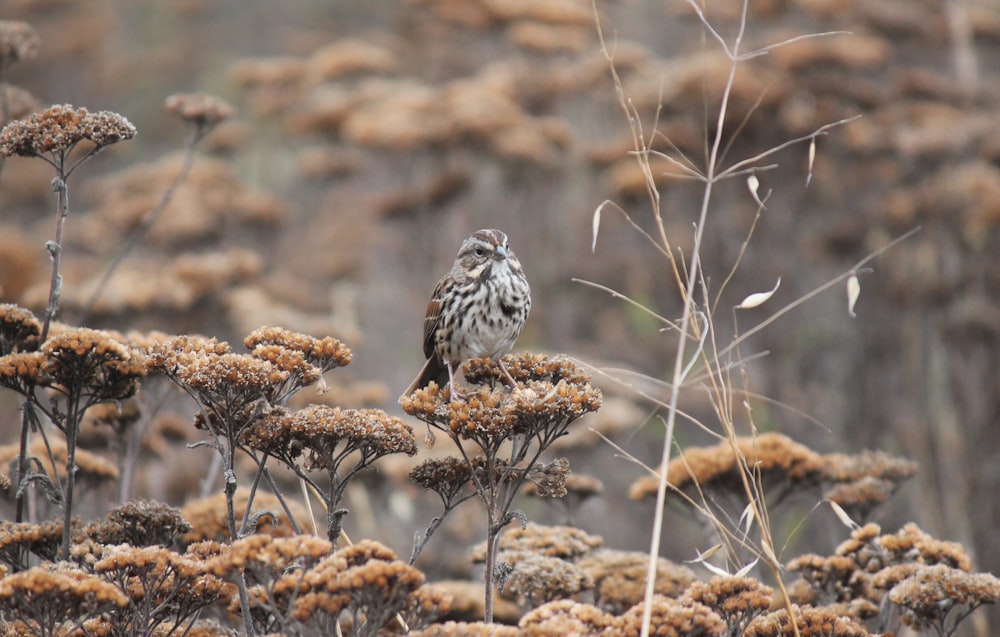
(526, 367)
(139, 523)
(325, 353)
(536, 579)
(19, 329)
(320, 430)
(232, 389)
(93, 363)
(366, 580)
(929, 596)
(56, 595)
(549, 478)
(267, 557)
(620, 577)
(809, 621)
(22, 371)
(568, 617)
(304, 357)
(204, 111)
(161, 583)
(780, 462)
(565, 542)
(58, 129)
(543, 405)
(20, 103)
(911, 544)
(737, 600)
(19, 539)
(674, 618)
(18, 42)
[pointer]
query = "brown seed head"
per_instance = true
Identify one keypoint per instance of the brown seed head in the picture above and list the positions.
(204, 111)
(18, 41)
(61, 127)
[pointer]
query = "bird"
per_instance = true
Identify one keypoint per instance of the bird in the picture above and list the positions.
(477, 310)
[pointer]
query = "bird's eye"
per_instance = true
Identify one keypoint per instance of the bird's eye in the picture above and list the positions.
(480, 251)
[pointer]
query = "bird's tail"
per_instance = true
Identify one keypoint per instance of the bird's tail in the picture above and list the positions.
(434, 370)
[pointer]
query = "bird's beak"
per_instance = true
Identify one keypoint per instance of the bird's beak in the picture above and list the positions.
(500, 252)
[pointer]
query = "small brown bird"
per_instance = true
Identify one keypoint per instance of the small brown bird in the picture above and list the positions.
(477, 310)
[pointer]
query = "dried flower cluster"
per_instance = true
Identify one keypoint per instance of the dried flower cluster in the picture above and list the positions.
(204, 111)
(231, 387)
(551, 393)
(860, 483)
(564, 542)
(782, 467)
(536, 579)
(20, 539)
(92, 363)
(164, 588)
(139, 523)
(19, 329)
(782, 463)
(58, 129)
(620, 578)
(737, 600)
(207, 516)
(298, 585)
(808, 621)
(568, 617)
(674, 618)
(339, 442)
(928, 579)
(508, 430)
(47, 600)
(18, 41)
(88, 366)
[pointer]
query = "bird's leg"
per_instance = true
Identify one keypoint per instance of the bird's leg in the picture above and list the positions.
(453, 390)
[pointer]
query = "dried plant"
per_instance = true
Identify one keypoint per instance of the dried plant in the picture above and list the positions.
(703, 358)
(299, 587)
(568, 617)
(500, 434)
(673, 618)
(166, 591)
(49, 600)
(139, 523)
(468, 629)
(52, 136)
(18, 540)
(808, 621)
(210, 520)
(83, 367)
(203, 112)
(274, 569)
(570, 490)
(234, 391)
(928, 579)
(780, 465)
(18, 42)
(940, 597)
(737, 600)
(536, 579)
(620, 578)
(338, 442)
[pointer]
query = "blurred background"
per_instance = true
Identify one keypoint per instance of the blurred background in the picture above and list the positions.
(371, 138)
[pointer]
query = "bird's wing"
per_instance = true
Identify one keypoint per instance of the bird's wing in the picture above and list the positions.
(433, 317)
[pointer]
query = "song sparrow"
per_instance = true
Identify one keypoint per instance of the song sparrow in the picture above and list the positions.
(477, 310)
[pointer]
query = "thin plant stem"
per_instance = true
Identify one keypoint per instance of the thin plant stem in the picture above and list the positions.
(72, 426)
(147, 221)
(54, 249)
